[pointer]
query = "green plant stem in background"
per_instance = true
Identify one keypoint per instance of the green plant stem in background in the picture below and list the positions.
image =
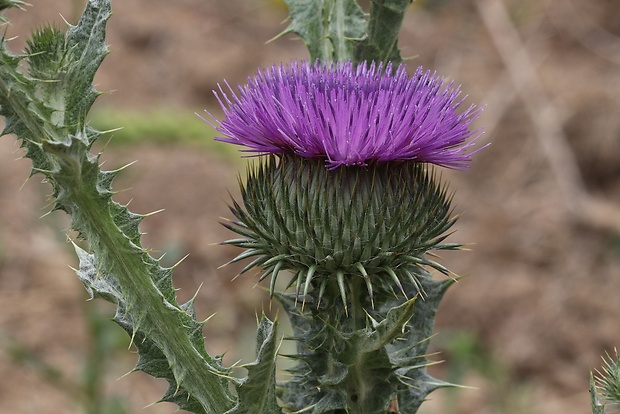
(99, 354)
(160, 126)
(88, 391)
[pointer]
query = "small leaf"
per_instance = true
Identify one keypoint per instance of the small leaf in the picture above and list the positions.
(410, 353)
(381, 42)
(257, 392)
(391, 327)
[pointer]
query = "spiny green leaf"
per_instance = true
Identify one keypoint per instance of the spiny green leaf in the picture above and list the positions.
(409, 352)
(257, 392)
(381, 42)
(389, 328)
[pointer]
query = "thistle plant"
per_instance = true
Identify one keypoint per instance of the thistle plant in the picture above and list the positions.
(348, 203)
(344, 199)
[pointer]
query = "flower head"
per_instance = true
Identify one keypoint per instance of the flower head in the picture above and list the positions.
(349, 115)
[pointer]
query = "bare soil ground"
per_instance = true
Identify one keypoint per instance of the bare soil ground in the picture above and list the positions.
(540, 205)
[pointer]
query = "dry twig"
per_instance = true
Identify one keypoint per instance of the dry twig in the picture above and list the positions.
(546, 120)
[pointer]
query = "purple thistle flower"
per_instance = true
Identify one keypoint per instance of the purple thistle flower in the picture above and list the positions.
(349, 115)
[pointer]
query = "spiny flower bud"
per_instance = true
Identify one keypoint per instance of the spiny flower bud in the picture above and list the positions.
(333, 227)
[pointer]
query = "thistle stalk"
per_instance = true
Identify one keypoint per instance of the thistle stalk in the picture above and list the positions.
(348, 203)
(46, 108)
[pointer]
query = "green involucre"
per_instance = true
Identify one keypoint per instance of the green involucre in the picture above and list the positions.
(331, 226)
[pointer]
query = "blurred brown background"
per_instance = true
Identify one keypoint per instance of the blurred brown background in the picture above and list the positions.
(538, 305)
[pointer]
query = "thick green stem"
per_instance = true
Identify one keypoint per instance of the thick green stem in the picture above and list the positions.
(362, 381)
(147, 307)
